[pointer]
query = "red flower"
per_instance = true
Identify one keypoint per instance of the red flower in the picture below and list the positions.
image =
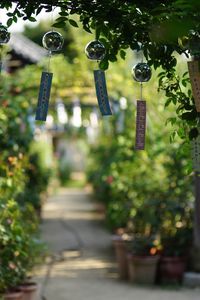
(109, 179)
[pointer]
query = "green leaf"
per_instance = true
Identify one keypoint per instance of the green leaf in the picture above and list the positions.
(104, 64)
(189, 116)
(39, 10)
(15, 19)
(32, 19)
(9, 22)
(73, 23)
(59, 25)
(123, 54)
(63, 13)
(172, 136)
(86, 28)
(167, 103)
(61, 19)
(193, 133)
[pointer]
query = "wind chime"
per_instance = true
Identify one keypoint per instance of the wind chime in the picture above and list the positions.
(4, 39)
(96, 51)
(53, 42)
(141, 72)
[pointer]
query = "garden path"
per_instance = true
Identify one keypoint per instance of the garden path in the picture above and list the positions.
(82, 265)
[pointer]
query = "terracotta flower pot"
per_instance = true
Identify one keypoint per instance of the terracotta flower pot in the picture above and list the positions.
(121, 256)
(142, 269)
(171, 269)
(29, 290)
(15, 295)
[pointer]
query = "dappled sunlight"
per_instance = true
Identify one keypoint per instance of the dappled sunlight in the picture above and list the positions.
(72, 267)
(84, 216)
(85, 264)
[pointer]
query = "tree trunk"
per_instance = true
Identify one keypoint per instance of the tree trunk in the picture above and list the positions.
(197, 211)
(196, 251)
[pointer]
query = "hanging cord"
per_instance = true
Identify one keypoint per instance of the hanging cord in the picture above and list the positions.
(52, 29)
(52, 16)
(96, 38)
(141, 84)
(49, 61)
(141, 90)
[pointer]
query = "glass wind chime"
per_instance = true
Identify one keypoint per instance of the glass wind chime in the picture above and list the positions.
(4, 39)
(141, 73)
(96, 51)
(53, 42)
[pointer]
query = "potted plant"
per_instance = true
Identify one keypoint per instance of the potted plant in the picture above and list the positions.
(120, 242)
(176, 239)
(143, 259)
(175, 255)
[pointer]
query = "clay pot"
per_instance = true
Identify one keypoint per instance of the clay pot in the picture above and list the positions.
(120, 246)
(15, 295)
(142, 269)
(29, 290)
(171, 269)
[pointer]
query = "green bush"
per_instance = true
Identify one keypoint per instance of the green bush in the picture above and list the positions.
(149, 191)
(18, 244)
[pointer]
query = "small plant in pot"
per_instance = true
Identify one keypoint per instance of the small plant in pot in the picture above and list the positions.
(175, 254)
(121, 241)
(143, 259)
(176, 238)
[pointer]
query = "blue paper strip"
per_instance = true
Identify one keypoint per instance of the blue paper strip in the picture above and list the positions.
(101, 92)
(140, 125)
(44, 95)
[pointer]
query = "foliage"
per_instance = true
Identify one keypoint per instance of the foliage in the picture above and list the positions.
(158, 28)
(146, 23)
(38, 174)
(64, 172)
(22, 163)
(175, 86)
(144, 245)
(17, 244)
(149, 191)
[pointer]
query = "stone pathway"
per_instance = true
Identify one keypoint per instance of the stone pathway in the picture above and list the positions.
(82, 265)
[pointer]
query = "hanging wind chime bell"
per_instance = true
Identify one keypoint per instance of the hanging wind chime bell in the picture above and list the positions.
(141, 72)
(52, 41)
(96, 51)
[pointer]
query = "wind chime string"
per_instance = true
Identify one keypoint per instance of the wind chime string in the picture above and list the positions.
(49, 61)
(52, 29)
(141, 90)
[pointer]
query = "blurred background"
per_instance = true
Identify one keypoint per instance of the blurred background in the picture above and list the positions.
(146, 196)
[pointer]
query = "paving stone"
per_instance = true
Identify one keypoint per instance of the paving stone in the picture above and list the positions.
(83, 266)
(191, 279)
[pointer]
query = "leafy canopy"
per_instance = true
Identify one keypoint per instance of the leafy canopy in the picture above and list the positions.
(152, 26)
